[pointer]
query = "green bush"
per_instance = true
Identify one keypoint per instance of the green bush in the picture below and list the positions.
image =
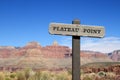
(102, 74)
(12, 75)
(21, 75)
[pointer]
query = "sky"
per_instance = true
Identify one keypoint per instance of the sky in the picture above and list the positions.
(23, 21)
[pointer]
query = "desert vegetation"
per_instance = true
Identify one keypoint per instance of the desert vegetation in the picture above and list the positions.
(100, 76)
(101, 71)
(29, 74)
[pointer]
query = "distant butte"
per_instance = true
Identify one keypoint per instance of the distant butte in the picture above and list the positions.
(52, 56)
(51, 51)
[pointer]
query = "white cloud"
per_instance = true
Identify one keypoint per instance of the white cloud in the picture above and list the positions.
(105, 45)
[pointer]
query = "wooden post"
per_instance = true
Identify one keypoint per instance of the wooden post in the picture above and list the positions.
(75, 55)
(76, 31)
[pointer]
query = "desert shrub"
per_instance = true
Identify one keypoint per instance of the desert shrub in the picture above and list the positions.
(110, 75)
(7, 78)
(2, 76)
(70, 72)
(92, 76)
(12, 75)
(21, 75)
(27, 73)
(53, 76)
(101, 78)
(32, 78)
(37, 76)
(101, 74)
(45, 75)
(62, 76)
(87, 78)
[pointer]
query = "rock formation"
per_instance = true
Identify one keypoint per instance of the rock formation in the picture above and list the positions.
(115, 55)
(52, 56)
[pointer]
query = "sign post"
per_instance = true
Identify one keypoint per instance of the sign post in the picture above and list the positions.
(76, 55)
(76, 31)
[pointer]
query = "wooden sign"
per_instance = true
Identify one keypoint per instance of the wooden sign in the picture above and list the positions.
(76, 30)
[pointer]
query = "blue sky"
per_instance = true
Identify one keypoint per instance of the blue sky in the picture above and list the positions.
(22, 21)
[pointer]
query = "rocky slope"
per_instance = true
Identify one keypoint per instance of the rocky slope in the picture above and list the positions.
(53, 56)
(115, 55)
(90, 56)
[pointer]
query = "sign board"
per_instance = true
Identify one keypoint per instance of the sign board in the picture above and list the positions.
(76, 30)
